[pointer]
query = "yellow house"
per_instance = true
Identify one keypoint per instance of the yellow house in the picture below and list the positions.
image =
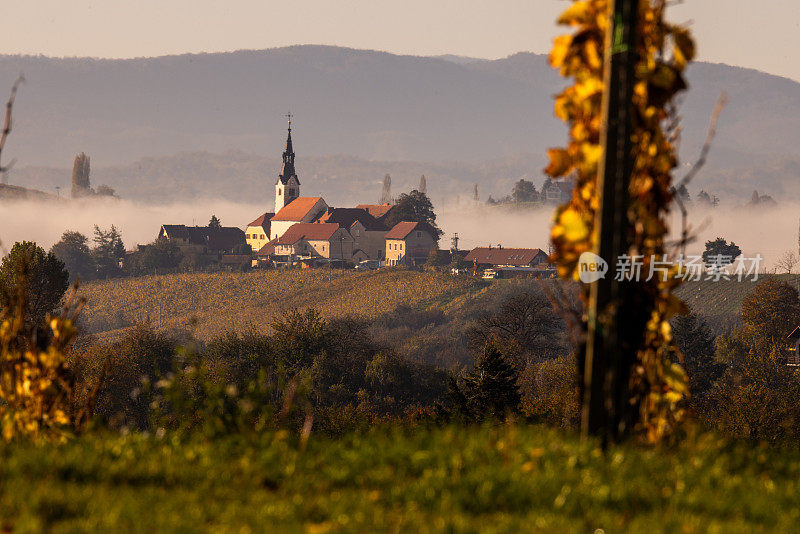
(410, 243)
(315, 241)
(257, 232)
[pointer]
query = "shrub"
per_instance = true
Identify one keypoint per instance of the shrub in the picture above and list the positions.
(37, 387)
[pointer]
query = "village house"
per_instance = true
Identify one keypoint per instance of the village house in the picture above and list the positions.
(378, 211)
(557, 192)
(367, 233)
(409, 243)
(489, 257)
(203, 239)
(299, 210)
(257, 232)
(317, 241)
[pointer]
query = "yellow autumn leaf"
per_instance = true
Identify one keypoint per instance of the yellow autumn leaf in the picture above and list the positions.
(592, 54)
(572, 225)
(663, 77)
(588, 88)
(577, 13)
(561, 46)
(591, 154)
(684, 50)
(560, 162)
(561, 108)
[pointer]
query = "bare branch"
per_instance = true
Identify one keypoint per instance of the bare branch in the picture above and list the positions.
(7, 123)
(712, 132)
(701, 161)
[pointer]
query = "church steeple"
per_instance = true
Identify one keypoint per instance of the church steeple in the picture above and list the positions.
(287, 188)
(287, 170)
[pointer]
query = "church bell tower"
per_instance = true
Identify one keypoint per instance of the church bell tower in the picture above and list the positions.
(287, 188)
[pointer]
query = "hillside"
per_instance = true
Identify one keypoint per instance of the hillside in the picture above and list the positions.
(214, 303)
(219, 302)
(195, 125)
(723, 300)
(511, 478)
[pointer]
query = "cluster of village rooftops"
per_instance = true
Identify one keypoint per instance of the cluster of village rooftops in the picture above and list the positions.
(306, 231)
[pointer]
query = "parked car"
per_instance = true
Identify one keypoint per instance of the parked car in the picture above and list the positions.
(367, 265)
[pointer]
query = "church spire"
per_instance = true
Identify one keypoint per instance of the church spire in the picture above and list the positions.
(287, 171)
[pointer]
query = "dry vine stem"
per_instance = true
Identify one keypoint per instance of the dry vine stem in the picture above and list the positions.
(657, 384)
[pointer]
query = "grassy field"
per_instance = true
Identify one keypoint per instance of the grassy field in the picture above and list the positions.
(724, 298)
(220, 302)
(233, 301)
(506, 479)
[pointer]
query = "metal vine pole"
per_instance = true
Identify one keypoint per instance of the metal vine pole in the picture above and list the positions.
(609, 352)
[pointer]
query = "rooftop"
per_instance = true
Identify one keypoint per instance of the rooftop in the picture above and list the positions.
(402, 229)
(307, 231)
(297, 209)
(505, 256)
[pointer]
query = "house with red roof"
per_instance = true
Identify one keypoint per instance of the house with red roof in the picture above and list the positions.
(257, 232)
(492, 257)
(314, 241)
(299, 210)
(378, 211)
(409, 243)
(367, 232)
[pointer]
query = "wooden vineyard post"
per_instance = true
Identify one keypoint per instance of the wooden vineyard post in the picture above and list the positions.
(610, 350)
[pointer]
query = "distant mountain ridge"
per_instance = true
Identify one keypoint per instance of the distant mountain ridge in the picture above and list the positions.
(385, 110)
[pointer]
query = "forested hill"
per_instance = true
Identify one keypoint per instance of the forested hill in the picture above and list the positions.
(373, 106)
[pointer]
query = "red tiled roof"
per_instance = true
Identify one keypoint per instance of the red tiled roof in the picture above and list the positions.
(376, 210)
(297, 209)
(308, 231)
(348, 216)
(402, 229)
(261, 220)
(506, 256)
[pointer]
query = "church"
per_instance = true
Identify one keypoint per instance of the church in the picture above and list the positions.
(307, 230)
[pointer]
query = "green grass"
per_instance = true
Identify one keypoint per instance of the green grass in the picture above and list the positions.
(506, 479)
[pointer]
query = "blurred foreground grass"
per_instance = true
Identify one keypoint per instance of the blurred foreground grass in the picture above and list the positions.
(511, 478)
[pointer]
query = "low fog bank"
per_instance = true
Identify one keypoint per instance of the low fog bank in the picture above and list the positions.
(139, 223)
(769, 231)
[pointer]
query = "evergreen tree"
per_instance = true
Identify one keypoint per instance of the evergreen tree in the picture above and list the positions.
(490, 389)
(80, 177)
(214, 222)
(108, 251)
(696, 343)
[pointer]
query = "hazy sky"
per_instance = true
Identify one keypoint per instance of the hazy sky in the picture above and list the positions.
(760, 34)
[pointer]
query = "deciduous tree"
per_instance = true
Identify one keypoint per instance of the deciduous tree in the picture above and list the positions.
(46, 279)
(73, 250)
(413, 207)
